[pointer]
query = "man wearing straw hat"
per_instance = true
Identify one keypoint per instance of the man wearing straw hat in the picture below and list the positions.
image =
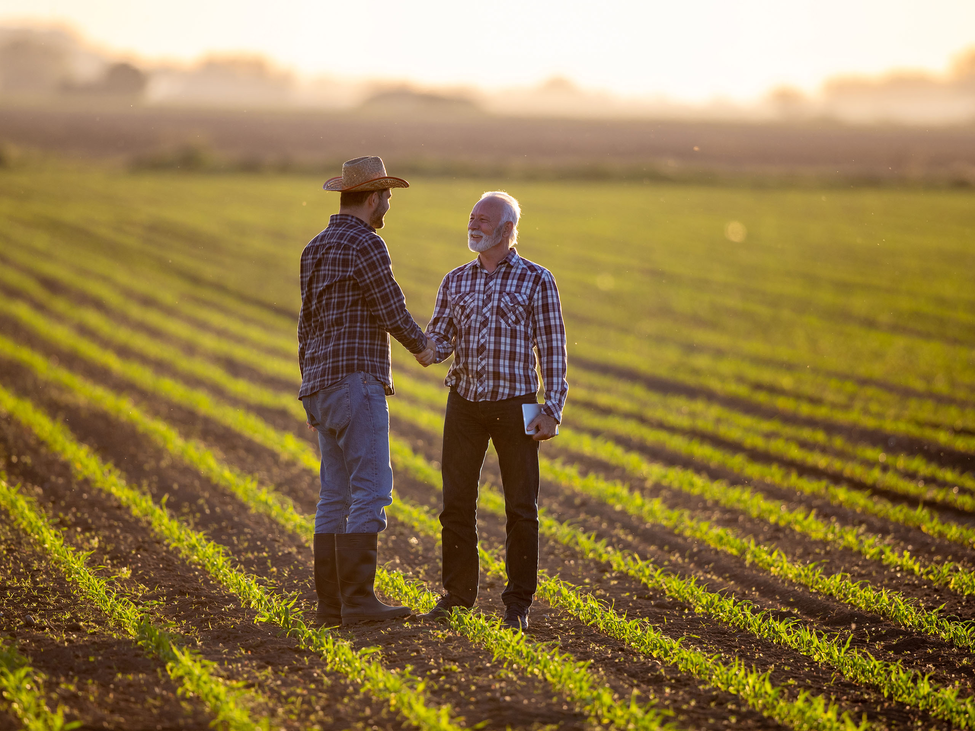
(350, 305)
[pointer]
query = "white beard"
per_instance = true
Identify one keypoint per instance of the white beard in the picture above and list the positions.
(486, 242)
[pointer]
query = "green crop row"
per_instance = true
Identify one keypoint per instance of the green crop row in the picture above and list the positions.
(948, 574)
(191, 451)
(152, 348)
(718, 291)
(558, 670)
(920, 517)
(404, 693)
(278, 441)
(715, 337)
(803, 711)
(101, 277)
(874, 477)
(887, 603)
(199, 368)
(148, 346)
(168, 324)
(892, 679)
(22, 687)
(710, 378)
(884, 602)
(697, 352)
(144, 377)
(944, 573)
(229, 705)
(568, 677)
(739, 375)
(704, 417)
(893, 609)
(281, 367)
(890, 607)
(271, 503)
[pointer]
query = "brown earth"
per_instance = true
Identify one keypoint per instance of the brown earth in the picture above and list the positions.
(212, 138)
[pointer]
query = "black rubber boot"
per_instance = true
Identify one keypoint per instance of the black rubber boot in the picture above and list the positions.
(327, 582)
(357, 554)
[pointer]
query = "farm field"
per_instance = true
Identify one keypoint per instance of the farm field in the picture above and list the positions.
(760, 512)
(506, 148)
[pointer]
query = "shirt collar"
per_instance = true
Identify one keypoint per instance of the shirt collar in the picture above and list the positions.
(346, 219)
(511, 259)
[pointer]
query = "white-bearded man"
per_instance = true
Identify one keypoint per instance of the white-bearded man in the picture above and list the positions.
(493, 314)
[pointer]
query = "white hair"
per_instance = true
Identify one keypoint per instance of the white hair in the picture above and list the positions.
(511, 212)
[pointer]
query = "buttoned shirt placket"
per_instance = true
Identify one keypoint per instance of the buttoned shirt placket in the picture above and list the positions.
(485, 286)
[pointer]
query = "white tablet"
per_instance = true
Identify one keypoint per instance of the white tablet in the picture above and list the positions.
(529, 412)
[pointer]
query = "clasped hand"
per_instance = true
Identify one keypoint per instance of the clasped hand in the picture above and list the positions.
(543, 427)
(427, 356)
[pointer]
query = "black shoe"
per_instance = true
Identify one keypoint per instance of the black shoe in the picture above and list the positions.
(441, 611)
(515, 618)
(356, 555)
(329, 612)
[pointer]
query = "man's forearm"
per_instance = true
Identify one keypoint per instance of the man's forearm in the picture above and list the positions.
(443, 344)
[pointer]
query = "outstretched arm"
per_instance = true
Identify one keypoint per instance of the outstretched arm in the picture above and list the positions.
(441, 331)
(374, 272)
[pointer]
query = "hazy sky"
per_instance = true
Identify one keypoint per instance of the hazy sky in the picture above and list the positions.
(686, 49)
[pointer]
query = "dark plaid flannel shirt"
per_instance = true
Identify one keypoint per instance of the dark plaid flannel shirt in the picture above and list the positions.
(492, 323)
(350, 304)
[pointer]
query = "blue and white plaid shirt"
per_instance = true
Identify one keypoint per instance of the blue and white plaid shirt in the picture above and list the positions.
(350, 304)
(493, 323)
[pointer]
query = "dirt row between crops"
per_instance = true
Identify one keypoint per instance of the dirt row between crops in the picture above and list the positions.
(473, 688)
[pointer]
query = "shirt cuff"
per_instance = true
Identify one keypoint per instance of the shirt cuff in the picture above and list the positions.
(422, 344)
(549, 410)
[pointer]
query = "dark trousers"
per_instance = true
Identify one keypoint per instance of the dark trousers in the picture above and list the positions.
(468, 425)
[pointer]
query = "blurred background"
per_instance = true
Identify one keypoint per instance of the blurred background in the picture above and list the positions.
(864, 90)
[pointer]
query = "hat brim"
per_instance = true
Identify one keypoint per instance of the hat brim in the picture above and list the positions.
(335, 184)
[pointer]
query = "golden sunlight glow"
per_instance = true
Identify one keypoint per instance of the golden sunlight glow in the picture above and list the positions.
(694, 50)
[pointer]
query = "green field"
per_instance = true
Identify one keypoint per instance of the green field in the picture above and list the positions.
(760, 511)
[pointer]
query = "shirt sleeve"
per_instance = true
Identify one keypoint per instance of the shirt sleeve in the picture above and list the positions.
(304, 317)
(549, 338)
(441, 328)
(385, 299)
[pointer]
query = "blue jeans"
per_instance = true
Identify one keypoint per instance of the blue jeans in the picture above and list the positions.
(468, 426)
(352, 420)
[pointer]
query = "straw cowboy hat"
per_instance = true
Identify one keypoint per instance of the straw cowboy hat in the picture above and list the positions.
(364, 173)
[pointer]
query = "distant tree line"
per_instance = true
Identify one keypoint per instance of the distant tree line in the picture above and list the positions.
(41, 64)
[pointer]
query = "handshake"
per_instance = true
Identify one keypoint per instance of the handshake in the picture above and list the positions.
(427, 356)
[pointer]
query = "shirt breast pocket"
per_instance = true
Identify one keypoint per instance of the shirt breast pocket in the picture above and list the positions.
(513, 309)
(465, 307)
